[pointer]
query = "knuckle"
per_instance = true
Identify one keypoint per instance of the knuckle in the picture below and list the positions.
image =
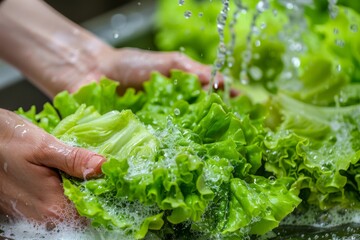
(73, 160)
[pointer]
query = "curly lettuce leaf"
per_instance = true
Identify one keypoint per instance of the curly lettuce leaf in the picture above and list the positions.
(318, 146)
(176, 157)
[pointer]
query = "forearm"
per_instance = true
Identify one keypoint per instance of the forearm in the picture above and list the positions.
(44, 45)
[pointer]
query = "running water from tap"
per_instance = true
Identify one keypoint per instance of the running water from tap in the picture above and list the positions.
(222, 49)
(247, 54)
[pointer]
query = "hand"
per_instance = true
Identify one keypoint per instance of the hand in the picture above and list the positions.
(30, 185)
(131, 67)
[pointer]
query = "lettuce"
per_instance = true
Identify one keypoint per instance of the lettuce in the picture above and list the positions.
(320, 147)
(302, 52)
(179, 161)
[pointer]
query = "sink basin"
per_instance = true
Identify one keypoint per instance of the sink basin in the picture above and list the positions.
(130, 25)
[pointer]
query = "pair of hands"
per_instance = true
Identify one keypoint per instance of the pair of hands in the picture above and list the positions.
(30, 185)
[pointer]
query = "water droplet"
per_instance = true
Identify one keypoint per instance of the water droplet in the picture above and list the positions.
(336, 31)
(275, 12)
(139, 3)
(182, 49)
(338, 68)
(187, 14)
(272, 178)
(201, 14)
(289, 5)
(296, 62)
(177, 112)
(263, 25)
(354, 27)
(256, 73)
(216, 84)
(255, 30)
(333, 9)
(116, 35)
(340, 43)
(262, 6)
(296, 47)
(257, 43)
(244, 78)
(181, 2)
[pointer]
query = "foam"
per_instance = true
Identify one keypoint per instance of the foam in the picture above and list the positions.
(26, 229)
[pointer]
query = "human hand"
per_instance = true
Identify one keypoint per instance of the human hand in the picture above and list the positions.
(30, 184)
(131, 67)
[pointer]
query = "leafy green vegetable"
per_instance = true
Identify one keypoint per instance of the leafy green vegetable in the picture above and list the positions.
(182, 158)
(182, 162)
(303, 51)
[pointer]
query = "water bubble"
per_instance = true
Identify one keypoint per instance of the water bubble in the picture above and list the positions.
(255, 30)
(262, 6)
(340, 43)
(256, 73)
(177, 112)
(333, 9)
(187, 14)
(116, 35)
(289, 6)
(354, 27)
(247, 56)
(338, 68)
(296, 62)
(244, 78)
(181, 2)
(231, 61)
(296, 47)
(272, 178)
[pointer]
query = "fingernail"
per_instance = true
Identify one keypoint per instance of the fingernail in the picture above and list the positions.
(94, 162)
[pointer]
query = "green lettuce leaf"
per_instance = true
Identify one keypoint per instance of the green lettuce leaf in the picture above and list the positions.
(177, 158)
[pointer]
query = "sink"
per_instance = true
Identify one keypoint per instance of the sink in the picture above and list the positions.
(130, 25)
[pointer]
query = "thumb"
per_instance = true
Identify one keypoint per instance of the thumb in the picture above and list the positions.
(76, 162)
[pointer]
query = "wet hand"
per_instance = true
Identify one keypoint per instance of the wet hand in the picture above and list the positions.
(30, 184)
(132, 67)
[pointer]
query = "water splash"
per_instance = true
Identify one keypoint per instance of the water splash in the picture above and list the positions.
(222, 49)
(261, 7)
(291, 36)
(333, 9)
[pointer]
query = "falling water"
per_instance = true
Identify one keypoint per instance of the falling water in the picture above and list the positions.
(333, 9)
(294, 45)
(225, 53)
(247, 54)
(222, 49)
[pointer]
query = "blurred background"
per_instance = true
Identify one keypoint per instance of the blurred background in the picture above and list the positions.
(118, 22)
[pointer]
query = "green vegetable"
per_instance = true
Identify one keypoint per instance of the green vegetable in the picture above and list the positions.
(181, 162)
(180, 158)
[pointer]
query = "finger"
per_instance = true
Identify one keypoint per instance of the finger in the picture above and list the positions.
(204, 72)
(77, 162)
